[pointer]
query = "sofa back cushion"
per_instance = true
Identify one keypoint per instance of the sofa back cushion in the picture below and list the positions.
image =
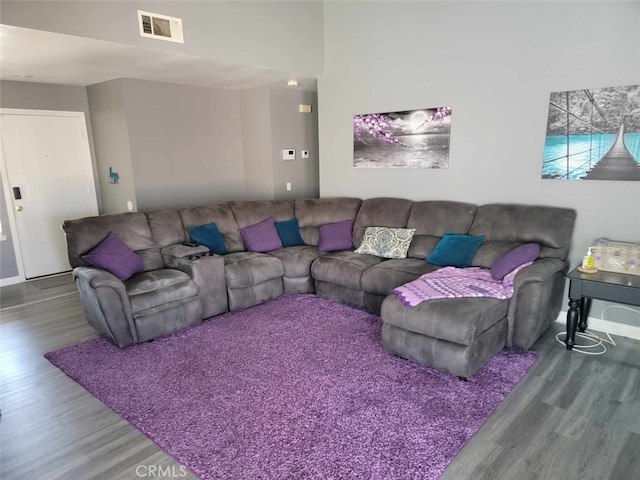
(432, 219)
(314, 212)
(490, 250)
(84, 234)
(221, 215)
(508, 225)
(380, 212)
(166, 226)
(249, 213)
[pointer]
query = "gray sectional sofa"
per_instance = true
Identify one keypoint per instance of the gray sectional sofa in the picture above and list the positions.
(182, 285)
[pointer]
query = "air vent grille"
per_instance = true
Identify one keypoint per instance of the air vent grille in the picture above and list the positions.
(162, 27)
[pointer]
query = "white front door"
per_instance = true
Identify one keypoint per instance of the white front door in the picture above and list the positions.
(50, 179)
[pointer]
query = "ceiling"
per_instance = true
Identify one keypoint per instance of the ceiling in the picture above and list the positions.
(36, 56)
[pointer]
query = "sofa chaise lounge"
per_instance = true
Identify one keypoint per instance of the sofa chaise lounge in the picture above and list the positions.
(179, 285)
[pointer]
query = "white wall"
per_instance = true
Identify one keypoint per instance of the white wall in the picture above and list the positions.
(495, 63)
(186, 144)
(284, 35)
(256, 141)
(271, 122)
(179, 145)
(111, 138)
(292, 129)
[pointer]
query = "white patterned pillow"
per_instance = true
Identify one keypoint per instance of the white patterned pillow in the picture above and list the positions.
(386, 242)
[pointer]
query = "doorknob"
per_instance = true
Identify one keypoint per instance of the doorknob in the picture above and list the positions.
(19, 208)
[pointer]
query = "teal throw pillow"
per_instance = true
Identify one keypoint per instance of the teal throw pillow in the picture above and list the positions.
(289, 232)
(455, 250)
(209, 235)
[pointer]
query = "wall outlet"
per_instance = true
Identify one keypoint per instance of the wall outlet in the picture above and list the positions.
(288, 154)
(288, 186)
(305, 154)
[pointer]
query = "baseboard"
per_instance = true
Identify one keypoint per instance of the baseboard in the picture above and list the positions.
(11, 281)
(601, 325)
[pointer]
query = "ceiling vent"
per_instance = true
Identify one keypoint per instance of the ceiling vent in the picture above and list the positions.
(153, 25)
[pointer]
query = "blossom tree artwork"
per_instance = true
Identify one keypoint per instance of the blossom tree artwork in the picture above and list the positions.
(407, 139)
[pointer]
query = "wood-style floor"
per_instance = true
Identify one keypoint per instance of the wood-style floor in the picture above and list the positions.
(573, 416)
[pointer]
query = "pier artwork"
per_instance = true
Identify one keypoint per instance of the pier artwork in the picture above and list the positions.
(593, 135)
(617, 164)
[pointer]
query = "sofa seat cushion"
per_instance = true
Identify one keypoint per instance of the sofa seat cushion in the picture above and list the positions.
(381, 279)
(343, 268)
(297, 260)
(457, 320)
(155, 288)
(246, 269)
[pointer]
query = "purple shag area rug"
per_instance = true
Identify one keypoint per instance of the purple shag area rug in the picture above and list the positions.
(295, 388)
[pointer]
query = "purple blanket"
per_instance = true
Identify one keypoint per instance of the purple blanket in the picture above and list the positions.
(452, 282)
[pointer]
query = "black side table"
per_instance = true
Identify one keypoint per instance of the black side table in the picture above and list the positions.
(609, 286)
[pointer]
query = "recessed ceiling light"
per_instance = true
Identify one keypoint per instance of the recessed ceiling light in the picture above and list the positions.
(292, 83)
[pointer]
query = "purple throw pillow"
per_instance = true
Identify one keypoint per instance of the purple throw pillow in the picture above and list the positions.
(509, 261)
(261, 237)
(336, 236)
(115, 257)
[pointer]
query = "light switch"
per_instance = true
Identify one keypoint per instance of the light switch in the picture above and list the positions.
(288, 154)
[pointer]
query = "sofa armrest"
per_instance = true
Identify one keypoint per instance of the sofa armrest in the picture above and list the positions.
(97, 277)
(536, 301)
(106, 304)
(539, 271)
(208, 273)
(206, 270)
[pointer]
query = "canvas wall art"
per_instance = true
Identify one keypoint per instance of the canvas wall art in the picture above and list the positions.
(593, 135)
(407, 139)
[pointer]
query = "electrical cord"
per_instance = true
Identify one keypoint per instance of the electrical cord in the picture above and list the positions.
(596, 341)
